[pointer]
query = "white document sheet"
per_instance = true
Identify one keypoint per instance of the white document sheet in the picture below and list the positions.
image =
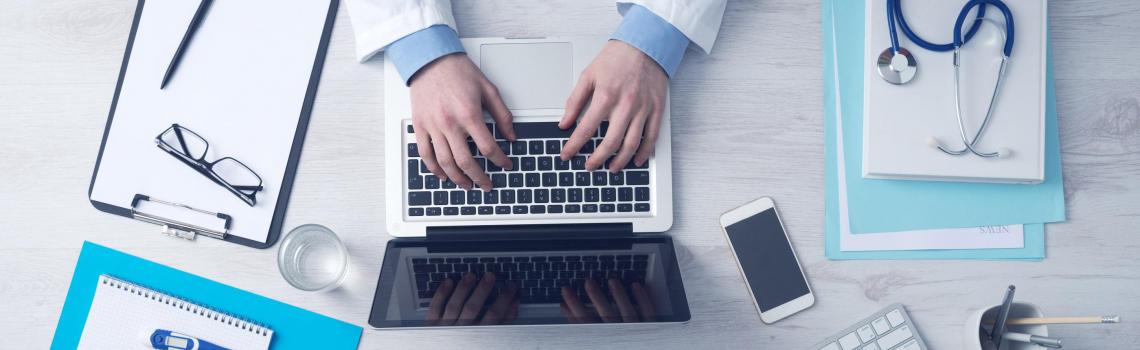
(124, 315)
(241, 85)
(988, 237)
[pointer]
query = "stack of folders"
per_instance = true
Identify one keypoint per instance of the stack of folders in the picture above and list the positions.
(905, 219)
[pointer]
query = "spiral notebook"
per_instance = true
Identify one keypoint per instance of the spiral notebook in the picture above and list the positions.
(123, 315)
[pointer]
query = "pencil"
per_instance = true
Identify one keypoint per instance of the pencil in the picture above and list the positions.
(1060, 320)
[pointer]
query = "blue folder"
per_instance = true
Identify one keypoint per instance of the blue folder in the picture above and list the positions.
(849, 15)
(293, 328)
(897, 205)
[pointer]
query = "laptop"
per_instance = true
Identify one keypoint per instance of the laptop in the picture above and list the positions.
(546, 225)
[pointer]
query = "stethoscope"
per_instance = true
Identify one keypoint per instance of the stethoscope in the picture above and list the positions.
(897, 65)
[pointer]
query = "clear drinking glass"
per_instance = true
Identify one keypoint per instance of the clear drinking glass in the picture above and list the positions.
(312, 258)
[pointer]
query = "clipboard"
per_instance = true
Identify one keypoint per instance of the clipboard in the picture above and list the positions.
(232, 94)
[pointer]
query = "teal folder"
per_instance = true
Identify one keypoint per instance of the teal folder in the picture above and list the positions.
(294, 328)
(848, 23)
(897, 205)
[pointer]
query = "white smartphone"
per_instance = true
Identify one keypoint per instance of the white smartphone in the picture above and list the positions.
(767, 261)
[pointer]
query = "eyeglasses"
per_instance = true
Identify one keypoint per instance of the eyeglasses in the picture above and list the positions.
(190, 148)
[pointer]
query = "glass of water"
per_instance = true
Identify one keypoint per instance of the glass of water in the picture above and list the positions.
(312, 258)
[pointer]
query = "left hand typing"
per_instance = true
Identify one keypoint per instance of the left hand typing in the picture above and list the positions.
(626, 88)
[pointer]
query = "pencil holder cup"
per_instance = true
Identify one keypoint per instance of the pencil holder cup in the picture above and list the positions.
(973, 340)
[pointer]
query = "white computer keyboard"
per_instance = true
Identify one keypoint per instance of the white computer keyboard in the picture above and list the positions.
(888, 329)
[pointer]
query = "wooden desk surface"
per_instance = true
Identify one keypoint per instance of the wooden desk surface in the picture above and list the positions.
(751, 109)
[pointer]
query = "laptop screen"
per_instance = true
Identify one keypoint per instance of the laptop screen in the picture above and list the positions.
(511, 282)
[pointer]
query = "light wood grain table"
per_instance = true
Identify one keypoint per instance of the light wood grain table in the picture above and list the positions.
(747, 122)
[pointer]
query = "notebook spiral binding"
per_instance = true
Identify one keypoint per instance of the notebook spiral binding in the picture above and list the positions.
(182, 304)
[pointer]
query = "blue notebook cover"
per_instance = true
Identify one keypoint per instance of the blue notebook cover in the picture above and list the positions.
(897, 205)
(849, 14)
(294, 328)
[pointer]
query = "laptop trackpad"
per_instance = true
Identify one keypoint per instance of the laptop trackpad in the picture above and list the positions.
(530, 75)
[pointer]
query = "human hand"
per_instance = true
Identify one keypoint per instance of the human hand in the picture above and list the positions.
(627, 88)
(448, 98)
(576, 312)
(460, 305)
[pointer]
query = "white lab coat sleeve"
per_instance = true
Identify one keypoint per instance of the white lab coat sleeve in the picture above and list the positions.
(697, 19)
(378, 23)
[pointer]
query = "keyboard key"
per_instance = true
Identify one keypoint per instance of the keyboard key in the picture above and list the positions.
(419, 198)
(431, 182)
(641, 194)
(558, 195)
(439, 197)
(424, 169)
(415, 211)
(896, 336)
(538, 209)
(423, 268)
(518, 148)
(498, 180)
(448, 184)
(533, 180)
(578, 162)
(641, 207)
(503, 209)
(474, 197)
(516, 180)
(536, 147)
(451, 211)
(468, 210)
(486, 210)
(457, 197)
(895, 318)
(541, 130)
(545, 163)
(625, 194)
(617, 179)
(910, 345)
(609, 194)
(637, 178)
(865, 333)
(410, 129)
(553, 147)
(524, 196)
(560, 164)
(600, 178)
(520, 209)
(415, 182)
(507, 196)
(413, 151)
(554, 209)
(515, 164)
(566, 179)
(880, 325)
(590, 208)
(434, 211)
(607, 208)
(581, 178)
(849, 341)
(491, 197)
(592, 195)
(574, 195)
(504, 146)
(587, 148)
(625, 207)
(446, 268)
(549, 179)
(541, 195)
(573, 209)
(528, 163)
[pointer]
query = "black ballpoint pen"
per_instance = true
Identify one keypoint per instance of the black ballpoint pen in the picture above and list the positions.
(201, 12)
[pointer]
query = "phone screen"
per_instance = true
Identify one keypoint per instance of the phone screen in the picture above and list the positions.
(766, 257)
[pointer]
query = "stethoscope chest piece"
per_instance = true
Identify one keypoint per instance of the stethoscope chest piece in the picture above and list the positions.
(897, 67)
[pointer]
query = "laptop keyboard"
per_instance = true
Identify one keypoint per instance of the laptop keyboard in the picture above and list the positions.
(540, 182)
(540, 278)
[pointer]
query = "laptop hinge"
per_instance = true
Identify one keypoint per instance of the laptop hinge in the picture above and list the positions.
(530, 232)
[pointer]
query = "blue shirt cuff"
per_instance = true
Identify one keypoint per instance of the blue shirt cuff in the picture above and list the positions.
(654, 36)
(416, 50)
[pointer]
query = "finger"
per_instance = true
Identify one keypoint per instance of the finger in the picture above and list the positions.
(644, 302)
(619, 123)
(651, 132)
(631, 141)
(435, 308)
(502, 305)
(446, 159)
(566, 312)
(587, 127)
(427, 152)
(466, 162)
(577, 101)
(474, 304)
(601, 303)
(486, 143)
(455, 303)
(570, 299)
(494, 104)
(621, 298)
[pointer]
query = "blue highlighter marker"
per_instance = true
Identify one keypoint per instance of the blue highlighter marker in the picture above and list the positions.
(167, 340)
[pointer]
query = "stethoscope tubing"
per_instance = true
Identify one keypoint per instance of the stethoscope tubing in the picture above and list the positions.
(895, 14)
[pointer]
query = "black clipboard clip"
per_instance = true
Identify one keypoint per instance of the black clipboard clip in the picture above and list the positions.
(178, 228)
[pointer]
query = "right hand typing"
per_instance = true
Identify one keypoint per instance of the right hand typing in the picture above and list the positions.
(448, 99)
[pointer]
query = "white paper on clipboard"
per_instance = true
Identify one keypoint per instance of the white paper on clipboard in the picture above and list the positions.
(241, 84)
